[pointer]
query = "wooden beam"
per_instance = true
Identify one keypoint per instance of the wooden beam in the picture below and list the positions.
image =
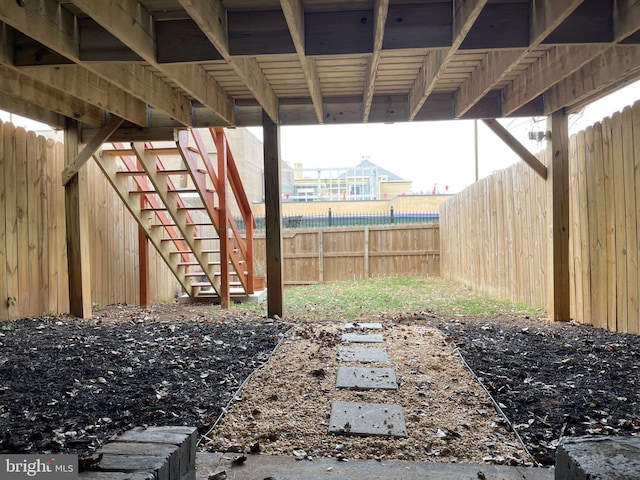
(130, 22)
(545, 72)
(48, 23)
(294, 15)
(142, 83)
(609, 68)
(558, 281)
(203, 11)
(90, 148)
(42, 96)
(23, 108)
(513, 143)
(546, 15)
(77, 224)
(82, 83)
(380, 11)
(55, 28)
(273, 217)
(494, 67)
(127, 134)
(465, 13)
(426, 80)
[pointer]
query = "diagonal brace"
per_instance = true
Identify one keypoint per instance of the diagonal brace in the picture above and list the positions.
(90, 148)
(513, 143)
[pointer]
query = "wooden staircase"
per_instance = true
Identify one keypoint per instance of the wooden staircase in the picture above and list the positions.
(180, 200)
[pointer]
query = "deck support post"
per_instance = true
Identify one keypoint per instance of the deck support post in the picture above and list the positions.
(77, 218)
(273, 217)
(558, 281)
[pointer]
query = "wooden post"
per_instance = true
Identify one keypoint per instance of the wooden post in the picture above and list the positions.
(225, 293)
(558, 292)
(143, 267)
(77, 215)
(273, 217)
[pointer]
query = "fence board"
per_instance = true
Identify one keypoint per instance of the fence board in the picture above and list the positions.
(575, 271)
(37, 305)
(61, 237)
(23, 216)
(11, 251)
(4, 306)
(610, 226)
(633, 222)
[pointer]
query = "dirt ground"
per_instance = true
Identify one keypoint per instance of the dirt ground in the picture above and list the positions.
(68, 385)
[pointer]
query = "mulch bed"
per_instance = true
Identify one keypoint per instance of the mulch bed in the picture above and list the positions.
(68, 385)
(553, 379)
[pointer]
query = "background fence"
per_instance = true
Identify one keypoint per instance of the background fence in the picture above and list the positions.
(493, 233)
(353, 253)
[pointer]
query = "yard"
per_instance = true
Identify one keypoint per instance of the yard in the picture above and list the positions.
(68, 385)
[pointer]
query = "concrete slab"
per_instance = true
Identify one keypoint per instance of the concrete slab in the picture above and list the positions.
(363, 355)
(353, 418)
(598, 458)
(363, 326)
(362, 338)
(287, 468)
(366, 378)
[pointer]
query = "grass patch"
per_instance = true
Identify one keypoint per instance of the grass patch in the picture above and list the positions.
(365, 298)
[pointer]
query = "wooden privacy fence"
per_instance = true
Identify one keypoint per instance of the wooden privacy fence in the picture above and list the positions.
(33, 251)
(493, 233)
(493, 236)
(605, 225)
(33, 255)
(353, 253)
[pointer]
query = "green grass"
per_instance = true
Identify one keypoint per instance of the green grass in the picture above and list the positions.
(366, 298)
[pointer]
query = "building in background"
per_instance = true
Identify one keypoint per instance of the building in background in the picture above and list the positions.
(365, 181)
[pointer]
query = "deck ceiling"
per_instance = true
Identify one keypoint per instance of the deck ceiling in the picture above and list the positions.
(161, 64)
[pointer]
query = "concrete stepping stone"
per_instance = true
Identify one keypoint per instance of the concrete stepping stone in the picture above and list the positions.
(366, 378)
(353, 418)
(363, 326)
(362, 355)
(362, 338)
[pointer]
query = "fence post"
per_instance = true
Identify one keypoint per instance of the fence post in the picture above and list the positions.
(392, 218)
(321, 255)
(366, 273)
(330, 218)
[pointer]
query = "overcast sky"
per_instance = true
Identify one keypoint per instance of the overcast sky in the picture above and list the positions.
(428, 153)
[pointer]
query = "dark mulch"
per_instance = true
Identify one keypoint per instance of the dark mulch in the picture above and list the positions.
(67, 385)
(554, 379)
